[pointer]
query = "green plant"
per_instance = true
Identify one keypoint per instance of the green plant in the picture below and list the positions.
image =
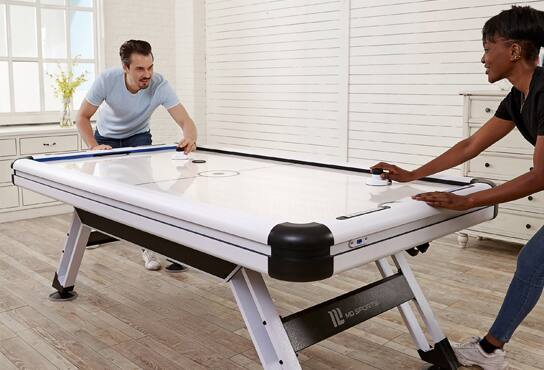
(66, 83)
(65, 86)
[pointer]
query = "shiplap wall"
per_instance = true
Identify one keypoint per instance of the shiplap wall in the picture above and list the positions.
(408, 63)
(190, 48)
(273, 75)
(359, 80)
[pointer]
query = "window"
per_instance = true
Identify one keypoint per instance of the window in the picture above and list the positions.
(39, 38)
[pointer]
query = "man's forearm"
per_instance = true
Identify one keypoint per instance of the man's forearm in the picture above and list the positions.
(189, 129)
(455, 156)
(86, 130)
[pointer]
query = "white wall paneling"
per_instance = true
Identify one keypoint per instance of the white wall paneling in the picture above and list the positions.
(274, 80)
(409, 60)
(191, 60)
(352, 80)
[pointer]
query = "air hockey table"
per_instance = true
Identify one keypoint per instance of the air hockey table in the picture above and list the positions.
(237, 216)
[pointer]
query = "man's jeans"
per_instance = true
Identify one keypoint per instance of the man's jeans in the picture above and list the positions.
(135, 140)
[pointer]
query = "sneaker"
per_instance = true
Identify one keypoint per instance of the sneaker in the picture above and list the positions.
(150, 261)
(94, 246)
(470, 353)
(175, 267)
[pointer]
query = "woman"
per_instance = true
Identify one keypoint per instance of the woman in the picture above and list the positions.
(512, 42)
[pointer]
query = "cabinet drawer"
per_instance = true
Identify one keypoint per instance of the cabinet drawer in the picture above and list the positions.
(532, 203)
(498, 167)
(482, 109)
(9, 197)
(30, 198)
(513, 143)
(8, 147)
(5, 171)
(512, 224)
(48, 144)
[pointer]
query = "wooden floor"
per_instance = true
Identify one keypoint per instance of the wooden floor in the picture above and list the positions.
(130, 318)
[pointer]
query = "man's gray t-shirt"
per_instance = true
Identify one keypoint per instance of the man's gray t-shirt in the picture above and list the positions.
(123, 113)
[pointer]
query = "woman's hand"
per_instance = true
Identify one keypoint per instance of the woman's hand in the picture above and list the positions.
(395, 173)
(441, 199)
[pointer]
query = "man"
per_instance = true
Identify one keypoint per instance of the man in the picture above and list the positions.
(127, 97)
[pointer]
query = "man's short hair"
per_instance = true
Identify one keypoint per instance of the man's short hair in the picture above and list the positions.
(134, 47)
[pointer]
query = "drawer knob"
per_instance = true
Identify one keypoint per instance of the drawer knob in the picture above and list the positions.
(488, 110)
(487, 164)
(528, 226)
(47, 144)
(530, 169)
(530, 197)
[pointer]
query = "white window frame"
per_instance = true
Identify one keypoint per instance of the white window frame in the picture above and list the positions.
(43, 116)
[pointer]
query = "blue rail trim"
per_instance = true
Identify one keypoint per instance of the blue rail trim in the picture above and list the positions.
(105, 153)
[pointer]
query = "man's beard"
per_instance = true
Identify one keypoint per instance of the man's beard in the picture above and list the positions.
(142, 86)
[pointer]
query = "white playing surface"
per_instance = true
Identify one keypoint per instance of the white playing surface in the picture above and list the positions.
(293, 193)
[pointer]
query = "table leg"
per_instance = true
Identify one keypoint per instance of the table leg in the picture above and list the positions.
(422, 304)
(406, 311)
(70, 261)
(442, 354)
(263, 322)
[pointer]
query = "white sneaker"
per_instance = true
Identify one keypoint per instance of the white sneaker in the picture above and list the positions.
(90, 247)
(470, 353)
(150, 260)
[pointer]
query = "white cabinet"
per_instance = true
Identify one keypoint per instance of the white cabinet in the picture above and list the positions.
(20, 141)
(9, 197)
(8, 147)
(5, 172)
(517, 221)
(48, 144)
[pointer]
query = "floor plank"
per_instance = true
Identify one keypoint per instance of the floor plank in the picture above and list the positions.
(128, 318)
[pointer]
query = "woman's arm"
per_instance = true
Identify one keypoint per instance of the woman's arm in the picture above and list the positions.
(491, 132)
(526, 184)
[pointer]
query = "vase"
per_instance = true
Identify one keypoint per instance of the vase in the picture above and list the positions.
(66, 113)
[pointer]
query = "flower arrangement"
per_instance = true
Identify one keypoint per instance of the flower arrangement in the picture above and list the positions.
(64, 87)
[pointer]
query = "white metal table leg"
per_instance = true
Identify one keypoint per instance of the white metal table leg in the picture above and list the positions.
(421, 302)
(263, 322)
(406, 311)
(72, 254)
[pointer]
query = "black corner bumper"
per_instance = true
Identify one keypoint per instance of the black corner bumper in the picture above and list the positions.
(300, 252)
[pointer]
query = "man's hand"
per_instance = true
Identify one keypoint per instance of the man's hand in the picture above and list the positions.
(395, 173)
(101, 147)
(188, 145)
(445, 200)
(180, 115)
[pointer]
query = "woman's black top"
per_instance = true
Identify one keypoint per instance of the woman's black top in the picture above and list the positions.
(528, 113)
